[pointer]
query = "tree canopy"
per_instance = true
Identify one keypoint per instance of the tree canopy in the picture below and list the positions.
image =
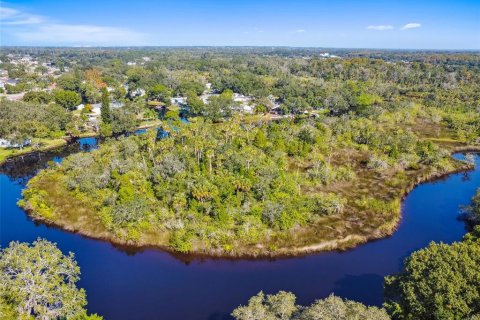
(38, 280)
(67, 98)
(438, 282)
(281, 306)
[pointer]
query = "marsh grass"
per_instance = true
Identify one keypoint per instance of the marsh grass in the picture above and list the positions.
(372, 210)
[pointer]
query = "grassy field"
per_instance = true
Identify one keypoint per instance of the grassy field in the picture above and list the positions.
(39, 145)
(48, 144)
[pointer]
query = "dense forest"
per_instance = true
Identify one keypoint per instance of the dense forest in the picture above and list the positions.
(241, 185)
(299, 173)
(361, 83)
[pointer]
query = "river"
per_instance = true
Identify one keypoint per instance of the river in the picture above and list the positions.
(151, 284)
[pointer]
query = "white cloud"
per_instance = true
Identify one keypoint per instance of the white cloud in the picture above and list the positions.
(11, 16)
(80, 34)
(38, 30)
(7, 12)
(380, 27)
(297, 31)
(411, 25)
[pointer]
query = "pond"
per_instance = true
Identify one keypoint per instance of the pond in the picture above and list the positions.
(151, 284)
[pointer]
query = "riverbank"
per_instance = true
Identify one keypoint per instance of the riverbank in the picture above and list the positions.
(354, 240)
(50, 144)
(355, 226)
(40, 146)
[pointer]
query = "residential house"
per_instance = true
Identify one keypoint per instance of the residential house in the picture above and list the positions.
(179, 101)
(4, 143)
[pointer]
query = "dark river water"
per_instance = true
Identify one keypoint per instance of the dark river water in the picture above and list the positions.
(151, 284)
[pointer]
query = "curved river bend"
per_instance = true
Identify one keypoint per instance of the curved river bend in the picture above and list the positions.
(151, 284)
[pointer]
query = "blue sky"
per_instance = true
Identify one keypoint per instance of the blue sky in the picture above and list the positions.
(335, 23)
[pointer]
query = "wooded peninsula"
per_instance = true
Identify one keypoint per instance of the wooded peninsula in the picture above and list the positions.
(257, 152)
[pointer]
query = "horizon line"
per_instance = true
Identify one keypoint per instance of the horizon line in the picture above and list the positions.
(233, 46)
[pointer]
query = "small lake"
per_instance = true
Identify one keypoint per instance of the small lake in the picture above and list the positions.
(151, 284)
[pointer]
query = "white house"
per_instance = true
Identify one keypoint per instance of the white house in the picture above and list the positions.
(6, 80)
(178, 101)
(207, 96)
(4, 143)
(247, 108)
(328, 55)
(97, 107)
(237, 97)
(138, 93)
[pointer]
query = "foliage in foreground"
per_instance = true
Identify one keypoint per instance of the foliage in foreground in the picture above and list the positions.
(38, 282)
(281, 306)
(438, 282)
(471, 214)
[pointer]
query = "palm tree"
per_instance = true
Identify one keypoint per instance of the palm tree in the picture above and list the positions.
(210, 154)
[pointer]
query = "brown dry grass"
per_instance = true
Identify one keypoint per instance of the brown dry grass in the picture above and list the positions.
(342, 231)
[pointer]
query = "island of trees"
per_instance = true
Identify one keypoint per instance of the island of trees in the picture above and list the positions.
(285, 152)
(244, 187)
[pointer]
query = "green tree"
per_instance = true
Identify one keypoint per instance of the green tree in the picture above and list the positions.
(160, 93)
(195, 104)
(472, 212)
(172, 115)
(105, 108)
(219, 106)
(261, 109)
(281, 306)
(39, 280)
(12, 89)
(90, 93)
(41, 97)
(123, 120)
(438, 282)
(333, 308)
(66, 98)
(105, 129)
(260, 140)
(69, 81)
(190, 86)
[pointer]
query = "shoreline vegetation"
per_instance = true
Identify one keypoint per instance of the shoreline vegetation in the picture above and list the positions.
(439, 281)
(48, 144)
(353, 132)
(349, 242)
(362, 218)
(43, 145)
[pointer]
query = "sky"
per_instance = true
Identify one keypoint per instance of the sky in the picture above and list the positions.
(388, 24)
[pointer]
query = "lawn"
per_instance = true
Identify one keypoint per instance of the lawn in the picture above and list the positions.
(41, 144)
